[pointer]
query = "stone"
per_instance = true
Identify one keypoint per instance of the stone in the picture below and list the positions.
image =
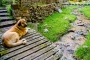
(81, 30)
(45, 30)
(59, 10)
(71, 30)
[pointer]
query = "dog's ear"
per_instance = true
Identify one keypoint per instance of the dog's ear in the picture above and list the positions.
(17, 19)
(19, 24)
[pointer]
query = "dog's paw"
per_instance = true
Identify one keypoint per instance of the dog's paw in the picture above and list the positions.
(27, 29)
(24, 41)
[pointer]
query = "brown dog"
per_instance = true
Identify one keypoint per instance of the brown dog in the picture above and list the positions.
(11, 37)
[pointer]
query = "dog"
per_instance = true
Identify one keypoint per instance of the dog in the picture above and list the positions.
(11, 38)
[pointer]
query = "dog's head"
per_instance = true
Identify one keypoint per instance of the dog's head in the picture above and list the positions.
(22, 23)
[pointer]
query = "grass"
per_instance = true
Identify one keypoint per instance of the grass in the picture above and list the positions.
(86, 10)
(3, 52)
(56, 24)
(8, 7)
(83, 52)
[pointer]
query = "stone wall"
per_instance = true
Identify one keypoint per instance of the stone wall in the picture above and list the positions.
(35, 13)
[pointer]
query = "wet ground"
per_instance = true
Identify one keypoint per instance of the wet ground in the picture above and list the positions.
(68, 44)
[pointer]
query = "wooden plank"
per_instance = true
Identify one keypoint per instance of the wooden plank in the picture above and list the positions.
(29, 34)
(36, 54)
(14, 53)
(33, 50)
(54, 57)
(3, 10)
(28, 43)
(5, 28)
(46, 55)
(4, 14)
(6, 24)
(5, 17)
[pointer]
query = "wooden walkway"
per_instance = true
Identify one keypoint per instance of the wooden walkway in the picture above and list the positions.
(37, 47)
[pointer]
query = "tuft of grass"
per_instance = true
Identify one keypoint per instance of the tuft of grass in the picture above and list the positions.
(86, 10)
(3, 52)
(83, 52)
(9, 10)
(56, 24)
(8, 7)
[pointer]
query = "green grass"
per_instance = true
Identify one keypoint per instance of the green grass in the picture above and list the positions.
(3, 52)
(84, 52)
(56, 24)
(8, 7)
(86, 11)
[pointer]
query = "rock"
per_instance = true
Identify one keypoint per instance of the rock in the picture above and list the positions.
(71, 30)
(81, 30)
(45, 30)
(59, 10)
(80, 40)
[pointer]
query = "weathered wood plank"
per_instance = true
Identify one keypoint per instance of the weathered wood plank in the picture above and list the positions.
(36, 54)
(54, 57)
(33, 50)
(14, 53)
(6, 24)
(5, 29)
(46, 55)
(4, 14)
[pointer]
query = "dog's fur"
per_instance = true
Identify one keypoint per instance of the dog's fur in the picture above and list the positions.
(12, 37)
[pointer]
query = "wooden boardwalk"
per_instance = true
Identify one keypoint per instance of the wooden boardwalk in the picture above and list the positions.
(37, 47)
